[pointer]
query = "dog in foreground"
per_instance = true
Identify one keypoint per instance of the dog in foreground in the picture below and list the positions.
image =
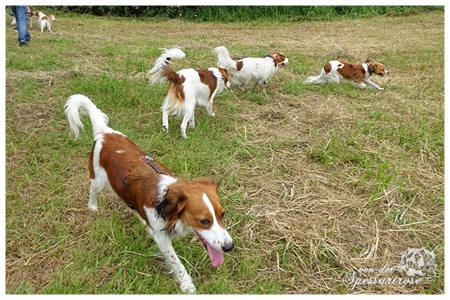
(356, 74)
(168, 206)
(187, 88)
(250, 70)
(44, 20)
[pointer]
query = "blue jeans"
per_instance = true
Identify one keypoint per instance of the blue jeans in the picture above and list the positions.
(20, 12)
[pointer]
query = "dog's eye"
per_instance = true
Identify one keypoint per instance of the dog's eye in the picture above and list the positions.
(205, 221)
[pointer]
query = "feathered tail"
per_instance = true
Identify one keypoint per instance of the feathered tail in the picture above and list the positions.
(224, 59)
(161, 70)
(77, 105)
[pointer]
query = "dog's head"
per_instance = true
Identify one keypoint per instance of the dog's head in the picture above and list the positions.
(224, 74)
(197, 205)
(376, 68)
(279, 59)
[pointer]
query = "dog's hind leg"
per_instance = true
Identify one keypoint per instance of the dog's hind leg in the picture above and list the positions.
(192, 121)
(186, 118)
(165, 114)
(97, 185)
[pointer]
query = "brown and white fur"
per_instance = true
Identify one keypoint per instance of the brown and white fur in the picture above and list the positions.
(44, 20)
(357, 74)
(168, 206)
(187, 88)
(250, 70)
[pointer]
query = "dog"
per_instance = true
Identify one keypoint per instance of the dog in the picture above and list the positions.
(357, 74)
(29, 20)
(187, 88)
(44, 20)
(168, 206)
(251, 70)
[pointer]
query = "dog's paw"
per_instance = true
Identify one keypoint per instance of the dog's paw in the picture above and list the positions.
(165, 128)
(93, 207)
(187, 287)
(380, 89)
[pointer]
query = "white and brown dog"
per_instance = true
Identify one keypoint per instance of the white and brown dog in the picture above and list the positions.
(168, 206)
(187, 88)
(44, 20)
(251, 70)
(357, 74)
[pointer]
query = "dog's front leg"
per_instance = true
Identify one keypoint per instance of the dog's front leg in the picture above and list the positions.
(164, 243)
(373, 84)
(360, 85)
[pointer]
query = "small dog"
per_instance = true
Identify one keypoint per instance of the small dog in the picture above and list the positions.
(354, 73)
(166, 205)
(251, 70)
(187, 88)
(44, 20)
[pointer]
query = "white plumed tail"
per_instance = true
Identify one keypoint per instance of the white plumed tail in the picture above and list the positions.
(224, 59)
(80, 104)
(156, 74)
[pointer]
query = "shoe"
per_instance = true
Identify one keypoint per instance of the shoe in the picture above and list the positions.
(21, 44)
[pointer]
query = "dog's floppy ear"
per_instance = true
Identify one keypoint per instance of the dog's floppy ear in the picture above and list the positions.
(224, 72)
(172, 205)
(275, 56)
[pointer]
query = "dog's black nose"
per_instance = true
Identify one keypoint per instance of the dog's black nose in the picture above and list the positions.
(228, 247)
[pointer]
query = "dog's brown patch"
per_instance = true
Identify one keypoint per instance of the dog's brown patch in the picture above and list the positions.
(352, 71)
(207, 77)
(239, 65)
(130, 176)
(327, 68)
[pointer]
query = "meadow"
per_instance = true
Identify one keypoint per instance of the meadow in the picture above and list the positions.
(318, 182)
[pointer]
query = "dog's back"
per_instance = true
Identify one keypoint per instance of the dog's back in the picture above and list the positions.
(44, 20)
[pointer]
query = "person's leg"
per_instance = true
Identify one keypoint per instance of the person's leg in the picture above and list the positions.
(20, 13)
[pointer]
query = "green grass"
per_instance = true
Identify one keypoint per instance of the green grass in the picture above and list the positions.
(310, 176)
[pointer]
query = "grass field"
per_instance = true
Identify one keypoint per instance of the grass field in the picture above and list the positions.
(317, 181)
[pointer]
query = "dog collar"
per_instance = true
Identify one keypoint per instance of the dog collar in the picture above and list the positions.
(274, 61)
(151, 162)
(368, 69)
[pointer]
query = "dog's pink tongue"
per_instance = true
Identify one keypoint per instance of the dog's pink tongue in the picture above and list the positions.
(215, 255)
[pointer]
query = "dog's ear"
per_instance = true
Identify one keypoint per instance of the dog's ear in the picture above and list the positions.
(371, 68)
(275, 56)
(368, 61)
(172, 206)
(224, 72)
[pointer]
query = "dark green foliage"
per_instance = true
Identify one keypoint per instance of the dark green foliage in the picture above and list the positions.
(247, 13)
